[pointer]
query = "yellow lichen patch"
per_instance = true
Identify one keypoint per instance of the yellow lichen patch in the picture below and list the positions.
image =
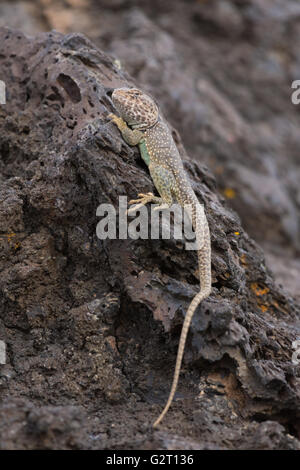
(9, 236)
(263, 308)
(243, 260)
(229, 193)
(278, 307)
(237, 233)
(258, 290)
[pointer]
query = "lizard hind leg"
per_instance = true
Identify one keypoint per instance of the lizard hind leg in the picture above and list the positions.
(164, 182)
(142, 200)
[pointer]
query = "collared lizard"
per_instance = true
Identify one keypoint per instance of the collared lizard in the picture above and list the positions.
(151, 133)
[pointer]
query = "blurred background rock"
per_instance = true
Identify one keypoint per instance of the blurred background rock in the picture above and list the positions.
(221, 71)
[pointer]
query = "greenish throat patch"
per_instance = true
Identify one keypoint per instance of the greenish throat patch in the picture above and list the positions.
(144, 152)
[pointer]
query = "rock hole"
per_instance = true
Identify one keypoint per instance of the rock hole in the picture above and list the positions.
(70, 87)
(55, 96)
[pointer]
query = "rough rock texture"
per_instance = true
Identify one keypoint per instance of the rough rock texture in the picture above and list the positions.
(222, 72)
(92, 326)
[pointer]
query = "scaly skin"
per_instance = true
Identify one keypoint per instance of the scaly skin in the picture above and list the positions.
(150, 132)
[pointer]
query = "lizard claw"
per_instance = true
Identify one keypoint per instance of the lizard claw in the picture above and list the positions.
(120, 123)
(141, 201)
(142, 197)
(146, 195)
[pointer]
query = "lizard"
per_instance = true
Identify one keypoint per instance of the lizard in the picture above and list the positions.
(141, 123)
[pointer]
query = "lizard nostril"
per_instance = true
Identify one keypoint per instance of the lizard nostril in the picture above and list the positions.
(109, 91)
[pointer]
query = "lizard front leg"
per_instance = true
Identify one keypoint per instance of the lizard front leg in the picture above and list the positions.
(132, 137)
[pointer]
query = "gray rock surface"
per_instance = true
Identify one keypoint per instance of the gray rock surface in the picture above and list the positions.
(92, 326)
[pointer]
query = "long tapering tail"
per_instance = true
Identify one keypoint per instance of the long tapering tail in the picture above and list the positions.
(204, 260)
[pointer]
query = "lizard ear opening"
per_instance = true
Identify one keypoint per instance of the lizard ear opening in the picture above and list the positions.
(109, 91)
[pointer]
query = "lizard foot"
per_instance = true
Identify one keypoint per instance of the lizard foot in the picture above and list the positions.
(141, 201)
(120, 123)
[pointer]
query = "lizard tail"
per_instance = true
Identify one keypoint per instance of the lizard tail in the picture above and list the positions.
(204, 257)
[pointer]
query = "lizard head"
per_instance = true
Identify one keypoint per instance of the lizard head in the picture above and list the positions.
(136, 108)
